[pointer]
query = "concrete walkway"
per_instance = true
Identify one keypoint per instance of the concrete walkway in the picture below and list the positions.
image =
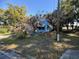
(4, 36)
(10, 55)
(70, 54)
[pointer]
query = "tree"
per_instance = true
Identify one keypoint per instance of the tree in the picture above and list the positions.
(75, 3)
(2, 17)
(68, 10)
(15, 14)
(71, 10)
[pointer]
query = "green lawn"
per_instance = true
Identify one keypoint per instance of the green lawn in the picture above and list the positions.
(68, 41)
(4, 30)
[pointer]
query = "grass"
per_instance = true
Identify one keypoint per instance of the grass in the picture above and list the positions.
(30, 40)
(4, 30)
(67, 42)
(8, 41)
(57, 48)
(27, 40)
(74, 40)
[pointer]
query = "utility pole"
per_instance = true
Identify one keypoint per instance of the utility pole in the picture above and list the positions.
(58, 21)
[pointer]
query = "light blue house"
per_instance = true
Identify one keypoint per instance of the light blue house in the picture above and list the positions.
(45, 26)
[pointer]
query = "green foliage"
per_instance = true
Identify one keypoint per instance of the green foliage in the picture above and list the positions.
(15, 14)
(20, 35)
(66, 6)
(1, 11)
(1, 14)
(70, 8)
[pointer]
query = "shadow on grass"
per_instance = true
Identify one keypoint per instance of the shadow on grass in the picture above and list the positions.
(41, 46)
(38, 46)
(74, 40)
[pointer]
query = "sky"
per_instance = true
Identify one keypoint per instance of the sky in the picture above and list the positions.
(33, 7)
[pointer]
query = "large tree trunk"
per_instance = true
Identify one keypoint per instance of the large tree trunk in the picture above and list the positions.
(72, 26)
(67, 26)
